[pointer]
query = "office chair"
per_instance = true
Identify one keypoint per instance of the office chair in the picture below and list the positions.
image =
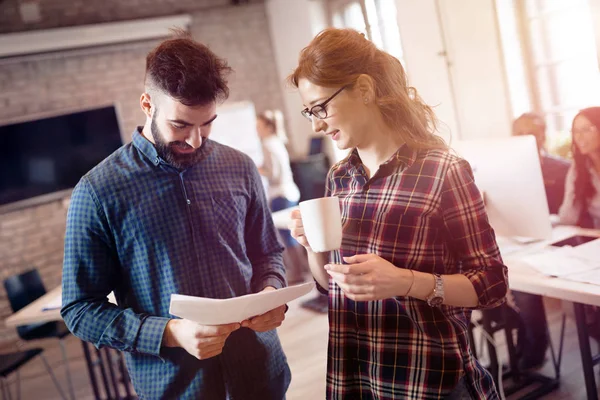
(11, 362)
(310, 175)
(22, 290)
(501, 319)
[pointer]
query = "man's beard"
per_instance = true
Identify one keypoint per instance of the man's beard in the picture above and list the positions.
(166, 150)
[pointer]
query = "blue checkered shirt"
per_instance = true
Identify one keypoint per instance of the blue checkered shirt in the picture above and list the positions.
(143, 229)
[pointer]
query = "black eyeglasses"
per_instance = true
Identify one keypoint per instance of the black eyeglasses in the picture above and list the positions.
(318, 110)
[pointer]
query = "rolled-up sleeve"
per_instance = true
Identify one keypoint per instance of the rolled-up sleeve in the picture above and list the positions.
(471, 238)
(90, 272)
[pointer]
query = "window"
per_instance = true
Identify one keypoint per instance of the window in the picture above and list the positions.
(557, 45)
(349, 15)
(375, 18)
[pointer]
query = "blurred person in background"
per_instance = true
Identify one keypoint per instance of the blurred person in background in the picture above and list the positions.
(282, 192)
(554, 169)
(533, 327)
(581, 205)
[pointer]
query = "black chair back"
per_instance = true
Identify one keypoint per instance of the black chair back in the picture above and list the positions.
(310, 176)
(24, 288)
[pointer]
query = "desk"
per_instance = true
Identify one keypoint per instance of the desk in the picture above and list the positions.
(281, 218)
(34, 313)
(526, 279)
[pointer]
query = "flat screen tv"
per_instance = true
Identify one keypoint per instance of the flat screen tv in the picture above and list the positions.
(43, 159)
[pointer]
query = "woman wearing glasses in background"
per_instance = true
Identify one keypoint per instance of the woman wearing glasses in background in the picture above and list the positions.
(582, 188)
(581, 205)
(417, 252)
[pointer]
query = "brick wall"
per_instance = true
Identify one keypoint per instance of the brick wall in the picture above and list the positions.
(60, 13)
(69, 81)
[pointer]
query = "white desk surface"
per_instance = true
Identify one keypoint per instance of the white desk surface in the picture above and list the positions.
(524, 278)
(34, 313)
(281, 218)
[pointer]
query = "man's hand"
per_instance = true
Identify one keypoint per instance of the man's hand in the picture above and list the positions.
(201, 341)
(267, 321)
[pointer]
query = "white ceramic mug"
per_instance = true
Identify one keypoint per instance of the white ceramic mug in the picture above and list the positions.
(322, 223)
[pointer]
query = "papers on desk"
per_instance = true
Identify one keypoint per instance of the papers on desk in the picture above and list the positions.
(580, 263)
(588, 251)
(592, 276)
(225, 311)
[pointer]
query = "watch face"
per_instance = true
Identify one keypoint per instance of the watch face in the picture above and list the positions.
(436, 301)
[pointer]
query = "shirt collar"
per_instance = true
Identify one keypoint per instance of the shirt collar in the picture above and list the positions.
(404, 156)
(145, 146)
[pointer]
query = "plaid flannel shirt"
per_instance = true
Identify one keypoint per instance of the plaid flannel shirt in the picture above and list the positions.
(420, 211)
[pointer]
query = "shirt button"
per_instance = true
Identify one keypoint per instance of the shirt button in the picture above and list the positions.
(157, 160)
(188, 201)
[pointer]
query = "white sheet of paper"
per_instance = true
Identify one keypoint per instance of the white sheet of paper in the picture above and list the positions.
(561, 262)
(592, 277)
(588, 251)
(226, 311)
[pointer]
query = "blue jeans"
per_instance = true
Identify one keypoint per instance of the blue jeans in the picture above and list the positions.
(281, 203)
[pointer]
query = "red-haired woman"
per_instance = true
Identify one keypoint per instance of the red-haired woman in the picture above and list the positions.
(581, 206)
(582, 189)
(417, 253)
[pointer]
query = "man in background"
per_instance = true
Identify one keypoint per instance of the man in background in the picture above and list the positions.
(533, 341)
(554, 169)
(174, 212)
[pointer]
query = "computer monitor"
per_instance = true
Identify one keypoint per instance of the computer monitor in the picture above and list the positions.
(508, 172)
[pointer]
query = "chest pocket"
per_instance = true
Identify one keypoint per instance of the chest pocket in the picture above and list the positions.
(230, 217)
(406, 238)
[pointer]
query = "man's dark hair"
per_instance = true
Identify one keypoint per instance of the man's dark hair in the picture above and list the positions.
(187, 70)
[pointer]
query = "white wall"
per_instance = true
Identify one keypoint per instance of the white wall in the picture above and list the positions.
(477, 67)
(425, 64)
(293, 24)
(472, 92)
(595, 8)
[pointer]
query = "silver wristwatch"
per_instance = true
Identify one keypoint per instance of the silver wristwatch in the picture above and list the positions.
(436, 298)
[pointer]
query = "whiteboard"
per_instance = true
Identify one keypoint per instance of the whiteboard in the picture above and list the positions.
(235, 126)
